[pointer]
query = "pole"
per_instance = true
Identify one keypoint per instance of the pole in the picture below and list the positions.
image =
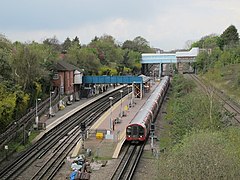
(36, 120)
(121, 114)
(24, 134)
(50, 107)
(110, 121)
(129, 102)
(133, 94)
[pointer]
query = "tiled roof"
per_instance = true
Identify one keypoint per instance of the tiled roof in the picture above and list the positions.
(65, 66)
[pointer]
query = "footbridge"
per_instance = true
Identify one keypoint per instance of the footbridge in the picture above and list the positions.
(152, 62)
(139, 84)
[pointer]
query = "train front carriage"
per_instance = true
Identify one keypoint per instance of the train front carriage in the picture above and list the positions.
(135, 132)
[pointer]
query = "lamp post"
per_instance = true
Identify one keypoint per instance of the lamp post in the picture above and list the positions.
(121, 92)
(36, 120)
(110, 122)
(129, 100)
(50, 107)
(133, 94)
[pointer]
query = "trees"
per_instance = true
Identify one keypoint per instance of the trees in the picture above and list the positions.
(5, 54)
(230, 36)
(66, 44)
(218, 51)
(25, 67)
(138, 44)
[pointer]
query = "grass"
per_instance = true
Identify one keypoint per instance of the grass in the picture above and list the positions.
(227, 79)
(16, 144)
(148, 155)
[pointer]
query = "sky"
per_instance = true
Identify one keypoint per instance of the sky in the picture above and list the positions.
(165, 24)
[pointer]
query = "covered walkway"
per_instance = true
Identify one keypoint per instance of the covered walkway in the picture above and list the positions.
(167, 58)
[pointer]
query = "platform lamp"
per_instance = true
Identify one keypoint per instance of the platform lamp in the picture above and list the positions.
(110, 122)
(129, 103)
(121, 114)
(133, 93)
(50, 106)
(36, 120)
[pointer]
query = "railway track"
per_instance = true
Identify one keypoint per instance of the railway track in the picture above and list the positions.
(18, 126)
(129, 162)
(228, 104)
(49, 165)
(28, 164)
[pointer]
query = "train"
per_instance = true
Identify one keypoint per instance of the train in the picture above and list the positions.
(138, 129)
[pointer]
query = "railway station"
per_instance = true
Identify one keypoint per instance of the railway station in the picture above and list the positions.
(106, 136)
(109, 131)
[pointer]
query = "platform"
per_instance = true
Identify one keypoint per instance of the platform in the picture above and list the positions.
(115, 132)
(61, 115)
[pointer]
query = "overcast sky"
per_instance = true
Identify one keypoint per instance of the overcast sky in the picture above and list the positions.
(166, 24)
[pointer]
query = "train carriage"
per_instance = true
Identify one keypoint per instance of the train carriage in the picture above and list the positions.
(139, 128)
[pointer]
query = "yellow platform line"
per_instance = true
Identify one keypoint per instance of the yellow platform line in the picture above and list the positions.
(119, 145)
(104, 116)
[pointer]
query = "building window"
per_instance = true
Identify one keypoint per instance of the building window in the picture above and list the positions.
(55, 76)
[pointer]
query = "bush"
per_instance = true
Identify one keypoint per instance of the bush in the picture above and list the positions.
(202, 155)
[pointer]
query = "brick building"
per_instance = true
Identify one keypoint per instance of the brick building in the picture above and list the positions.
(67, 77)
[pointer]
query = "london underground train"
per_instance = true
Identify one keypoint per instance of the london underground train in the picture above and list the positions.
(138, 129)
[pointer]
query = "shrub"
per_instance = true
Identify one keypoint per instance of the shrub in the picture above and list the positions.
(201, 155)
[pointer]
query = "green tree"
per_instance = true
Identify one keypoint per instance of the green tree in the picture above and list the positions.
(202, 62)
(76, 41)
(84, 58)
(7, 105)
(53, 43)
(5, 55)
(5, 68)
(106, 50)
(67, 44)
(138, 44)
(230, 36)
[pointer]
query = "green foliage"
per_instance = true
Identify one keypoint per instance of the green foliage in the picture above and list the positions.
(138, 44)
(221, 50)
(230, 36)
(203, 155)
(25, 69)
(181, 86)
(189, 109)
(7, 105)
(13, 104)
(5, 68)
(105, 70)
(85, 58)
(211, 41)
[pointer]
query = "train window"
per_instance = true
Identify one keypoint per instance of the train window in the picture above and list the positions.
(141, 131)
(135, 130)
(129, 130)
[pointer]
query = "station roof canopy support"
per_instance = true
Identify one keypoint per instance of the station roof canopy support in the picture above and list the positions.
(112, 79)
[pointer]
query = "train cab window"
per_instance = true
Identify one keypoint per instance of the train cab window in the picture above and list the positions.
(135, 130)
(129, 130)
(141, 131)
